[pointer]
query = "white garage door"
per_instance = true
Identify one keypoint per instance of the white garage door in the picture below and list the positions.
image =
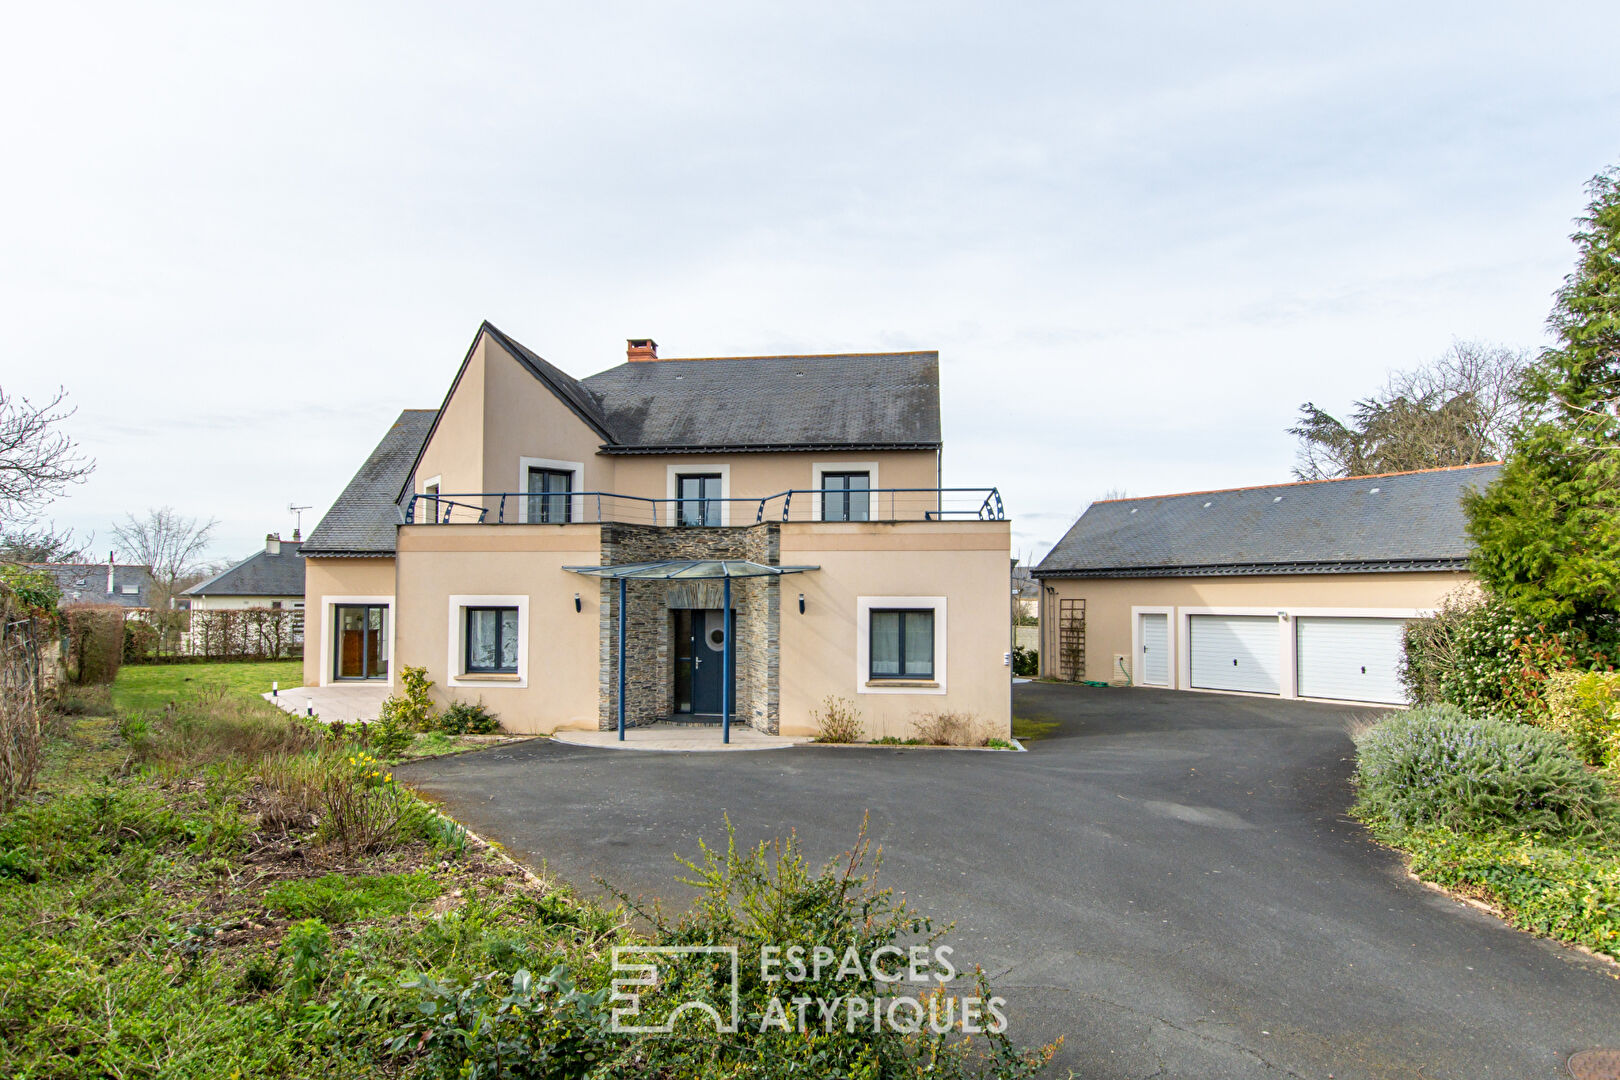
(1155, 659)
(1350, 659)
(1235, 652)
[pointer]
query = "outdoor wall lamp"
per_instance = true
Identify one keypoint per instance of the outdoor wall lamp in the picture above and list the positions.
(577, 605)
(801, 603)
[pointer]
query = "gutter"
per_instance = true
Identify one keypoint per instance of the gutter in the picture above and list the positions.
(1359, 566)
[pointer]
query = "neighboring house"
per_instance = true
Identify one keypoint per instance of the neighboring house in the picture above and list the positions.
(1026, 591)
(120, 584)
(271, 578)
(1293, 590)
(1026, 607)
(491, 541)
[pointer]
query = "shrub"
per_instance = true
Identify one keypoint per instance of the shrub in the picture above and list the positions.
(1489, 660)
(140, 640)
(95, 643)
(468, 718)
(389, 736)
(413, 706)
(1584, 707)
(1026, 662)
(363, 811)
(1436, 766)
(838, 721)
(948, 729)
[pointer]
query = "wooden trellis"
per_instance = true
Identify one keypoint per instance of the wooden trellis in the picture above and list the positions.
(1071, 640)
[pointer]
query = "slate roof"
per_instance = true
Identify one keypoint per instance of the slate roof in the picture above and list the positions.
(86, 583)
(260, 574)
(1395, 522)
(845, 401)
(363, 519)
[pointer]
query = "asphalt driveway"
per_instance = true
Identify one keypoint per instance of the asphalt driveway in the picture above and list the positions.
(1167, 879)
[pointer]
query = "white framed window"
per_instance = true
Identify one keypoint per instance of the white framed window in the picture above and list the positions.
(551, 491)
(900, 645)
(690, 490)
(489, 641)
(427, 508)
(845, 507)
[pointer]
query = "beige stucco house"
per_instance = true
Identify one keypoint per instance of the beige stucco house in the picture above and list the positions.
(564, 548)
(1292, 590)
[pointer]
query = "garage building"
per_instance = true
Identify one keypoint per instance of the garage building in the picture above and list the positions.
(1294, 590)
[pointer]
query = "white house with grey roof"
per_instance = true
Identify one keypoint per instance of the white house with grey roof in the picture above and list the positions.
(1295, 590)
(271, 578)
(716, 539)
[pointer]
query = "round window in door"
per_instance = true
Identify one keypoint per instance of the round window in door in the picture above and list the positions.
(716, 638)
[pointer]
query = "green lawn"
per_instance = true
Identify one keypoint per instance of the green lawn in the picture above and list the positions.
(152, 686)
(1030, 728)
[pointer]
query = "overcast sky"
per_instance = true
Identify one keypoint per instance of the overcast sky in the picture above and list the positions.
(245, 236)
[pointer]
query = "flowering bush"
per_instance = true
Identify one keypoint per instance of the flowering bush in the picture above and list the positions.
(1488, 660)
(1436, 766)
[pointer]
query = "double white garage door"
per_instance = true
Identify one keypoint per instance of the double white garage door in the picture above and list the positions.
(1346, 659)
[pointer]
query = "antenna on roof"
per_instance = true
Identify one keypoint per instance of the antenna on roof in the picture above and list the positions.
(298, 521)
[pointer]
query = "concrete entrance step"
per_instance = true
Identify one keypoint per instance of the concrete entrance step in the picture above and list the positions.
(680, 738)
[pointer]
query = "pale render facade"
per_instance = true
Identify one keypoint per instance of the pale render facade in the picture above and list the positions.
(484, 541)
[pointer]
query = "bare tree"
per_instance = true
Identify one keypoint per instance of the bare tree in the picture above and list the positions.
(1457, 410)
(42, 545)
(38, 460)
(167, 541)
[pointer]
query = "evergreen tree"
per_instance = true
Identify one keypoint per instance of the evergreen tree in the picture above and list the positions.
(1547, 533)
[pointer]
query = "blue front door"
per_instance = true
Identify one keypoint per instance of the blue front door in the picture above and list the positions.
(708, 662)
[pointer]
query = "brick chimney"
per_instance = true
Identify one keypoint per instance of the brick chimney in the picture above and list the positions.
(272, 543)
(644, 348)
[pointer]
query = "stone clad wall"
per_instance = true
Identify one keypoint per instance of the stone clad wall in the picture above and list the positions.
(649, 667)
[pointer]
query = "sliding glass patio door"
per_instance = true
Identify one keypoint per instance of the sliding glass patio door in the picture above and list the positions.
(362, 641)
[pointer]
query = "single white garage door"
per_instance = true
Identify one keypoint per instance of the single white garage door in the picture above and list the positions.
(1155, 660)
(1235, 652)
(1350, 659)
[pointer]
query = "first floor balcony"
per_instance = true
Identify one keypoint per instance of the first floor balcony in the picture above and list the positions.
(701, 507)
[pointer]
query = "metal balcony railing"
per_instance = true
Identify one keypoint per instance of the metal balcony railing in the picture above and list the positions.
(798, 504)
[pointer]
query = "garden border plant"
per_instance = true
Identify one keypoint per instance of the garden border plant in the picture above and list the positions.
(187, 900)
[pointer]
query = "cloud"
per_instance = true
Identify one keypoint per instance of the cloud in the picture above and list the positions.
(245, 237)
